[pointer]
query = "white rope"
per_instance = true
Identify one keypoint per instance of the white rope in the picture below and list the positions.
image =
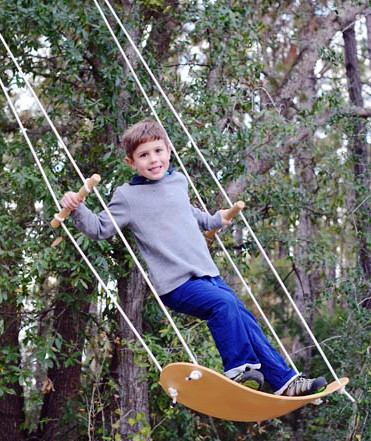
(256, 303)
(117, 228)
(153, 110)
(91, 267)
(198, 151)
(196, 192)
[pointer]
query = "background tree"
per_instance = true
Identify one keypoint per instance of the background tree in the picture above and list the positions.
(263, 90)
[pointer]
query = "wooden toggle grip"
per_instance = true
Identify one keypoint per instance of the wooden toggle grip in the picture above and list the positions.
(82, 193)
(232, 212)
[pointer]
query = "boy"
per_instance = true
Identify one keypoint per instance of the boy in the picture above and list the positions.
(155, 205)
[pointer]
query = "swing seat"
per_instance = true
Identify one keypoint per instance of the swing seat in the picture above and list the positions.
(217, 396)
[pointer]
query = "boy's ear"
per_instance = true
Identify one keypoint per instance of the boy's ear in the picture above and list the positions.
(130, 162)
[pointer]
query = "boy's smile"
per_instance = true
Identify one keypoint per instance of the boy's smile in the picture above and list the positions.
(151, 159)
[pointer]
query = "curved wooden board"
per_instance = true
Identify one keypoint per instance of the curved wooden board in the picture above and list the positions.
(218, 396)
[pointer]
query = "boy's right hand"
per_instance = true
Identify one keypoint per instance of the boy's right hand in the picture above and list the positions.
(71, 200)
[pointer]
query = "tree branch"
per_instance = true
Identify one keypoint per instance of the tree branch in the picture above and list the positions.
(317, 33)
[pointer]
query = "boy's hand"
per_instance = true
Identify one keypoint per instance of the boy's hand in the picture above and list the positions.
(71, 200)
(225, 214)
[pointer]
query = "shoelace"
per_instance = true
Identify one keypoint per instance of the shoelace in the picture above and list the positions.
(301, 385)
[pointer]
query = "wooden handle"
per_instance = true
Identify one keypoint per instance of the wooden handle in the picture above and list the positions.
(231, 213)
(82, 193)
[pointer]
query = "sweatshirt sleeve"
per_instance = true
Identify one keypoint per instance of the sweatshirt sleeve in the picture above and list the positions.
(207, 222)
(99, 226)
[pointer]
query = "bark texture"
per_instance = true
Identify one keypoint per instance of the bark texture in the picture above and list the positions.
(70, 319)
(360, 151)
(134, 389)
(11, 407)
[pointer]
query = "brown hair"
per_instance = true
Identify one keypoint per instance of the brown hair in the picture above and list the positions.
(141, 132)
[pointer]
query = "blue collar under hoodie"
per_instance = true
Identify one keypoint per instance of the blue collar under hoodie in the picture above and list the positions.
(141, 180)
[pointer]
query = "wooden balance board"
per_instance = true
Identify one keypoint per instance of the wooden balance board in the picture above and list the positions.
(216, 395)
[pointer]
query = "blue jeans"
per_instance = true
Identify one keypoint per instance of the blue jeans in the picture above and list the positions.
(237, 335)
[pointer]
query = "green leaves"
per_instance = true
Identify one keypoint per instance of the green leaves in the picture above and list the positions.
(11, 373)
(261, 147)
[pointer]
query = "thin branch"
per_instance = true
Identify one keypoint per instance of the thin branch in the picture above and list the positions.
(359, 205)
(322, 342)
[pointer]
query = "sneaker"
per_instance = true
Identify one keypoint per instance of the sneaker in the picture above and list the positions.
(305, 386)
(250, 378)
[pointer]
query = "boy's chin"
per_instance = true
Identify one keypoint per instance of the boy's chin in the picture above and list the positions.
(155, 176)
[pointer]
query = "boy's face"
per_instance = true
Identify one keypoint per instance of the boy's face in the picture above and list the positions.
(151, 159)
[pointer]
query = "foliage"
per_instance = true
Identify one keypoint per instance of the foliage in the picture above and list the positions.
(226, 67)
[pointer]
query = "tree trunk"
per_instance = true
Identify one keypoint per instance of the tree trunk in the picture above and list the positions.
(306, 279)
(359, 148)
(368, 27)
(306, 274)
(134, 389)
(11, 406)
(70, 322)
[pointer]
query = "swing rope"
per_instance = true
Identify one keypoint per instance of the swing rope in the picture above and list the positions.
(126, 243)
(215, 179)
(220, 187)
(184, 170)
(83, 255)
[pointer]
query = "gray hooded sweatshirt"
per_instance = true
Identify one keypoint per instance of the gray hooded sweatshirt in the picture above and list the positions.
(165, 225)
